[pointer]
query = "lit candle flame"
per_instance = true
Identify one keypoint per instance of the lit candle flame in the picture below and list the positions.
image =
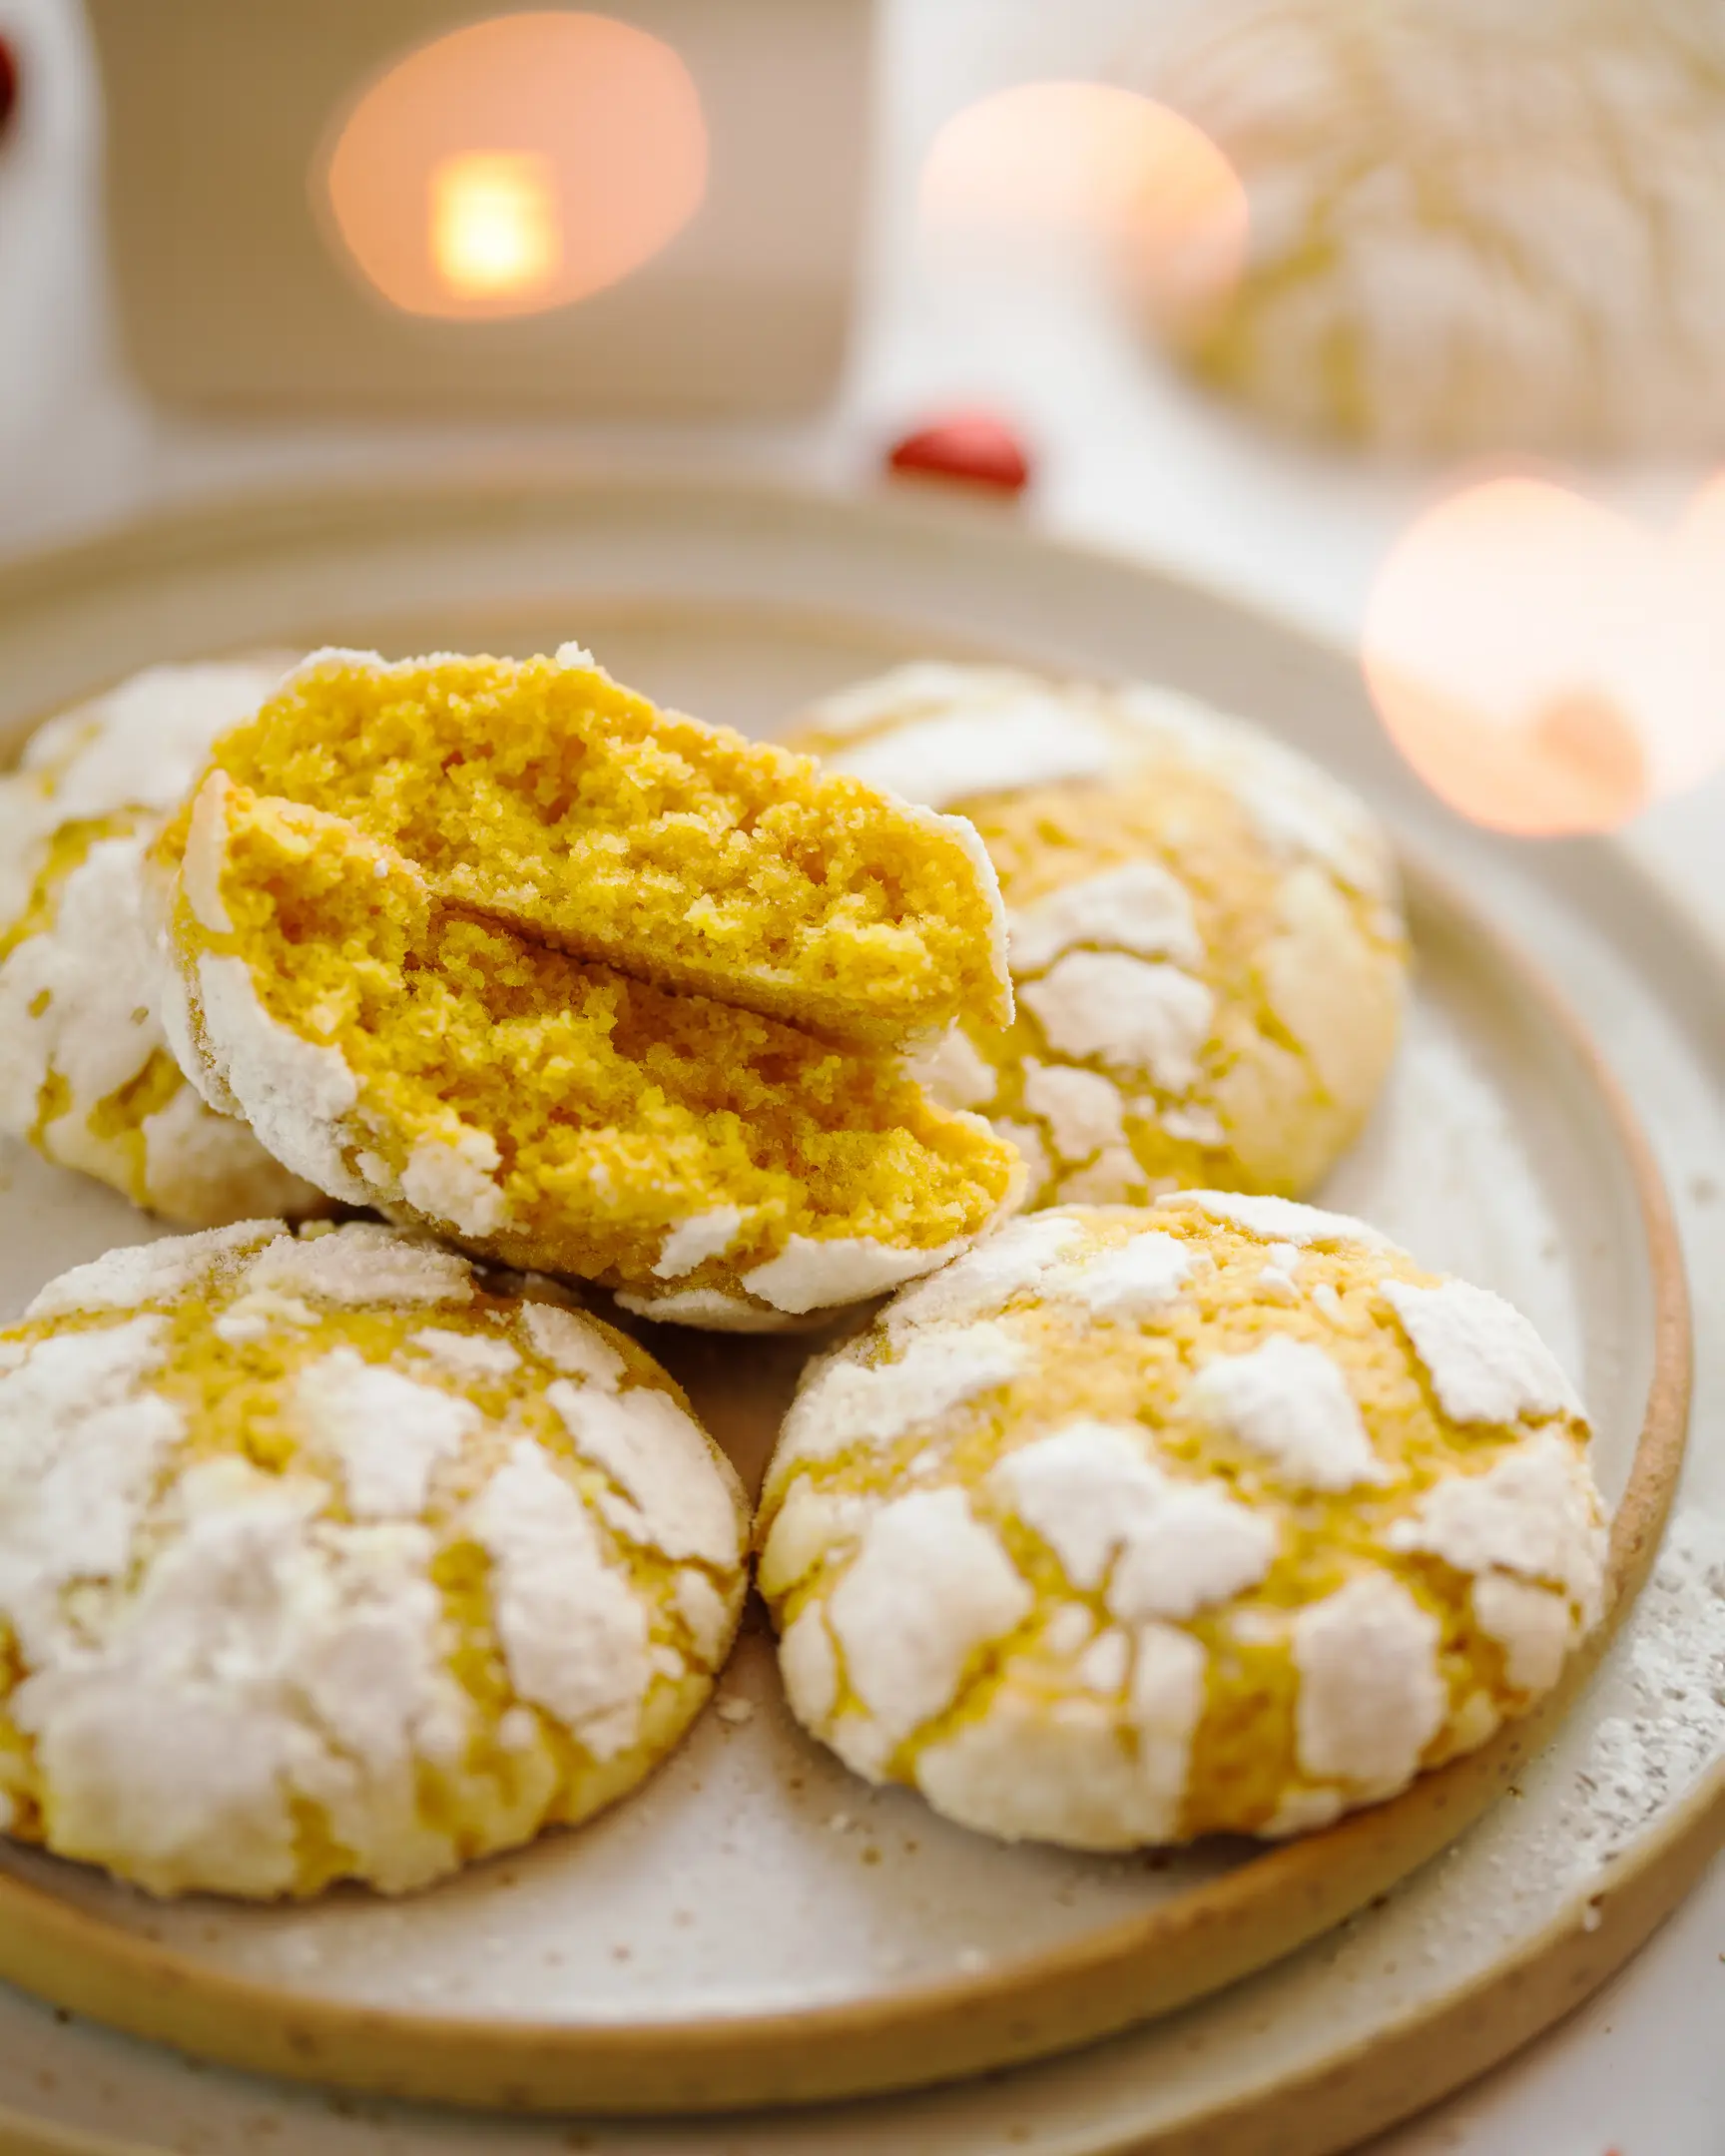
(518, 164)
(494, 224)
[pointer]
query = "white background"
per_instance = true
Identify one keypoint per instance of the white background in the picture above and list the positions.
(1126, 454)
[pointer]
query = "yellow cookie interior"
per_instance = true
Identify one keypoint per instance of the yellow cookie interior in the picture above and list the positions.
(617, 1109)
(545, 796)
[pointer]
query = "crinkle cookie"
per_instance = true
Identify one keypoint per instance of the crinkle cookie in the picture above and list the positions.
(1219, 1516)
(722, 1169)
(1203, 929)
(85, 1073)
(323, 1559)
(543, 797)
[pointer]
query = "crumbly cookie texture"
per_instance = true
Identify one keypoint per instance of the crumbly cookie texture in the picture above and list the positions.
(720, 1168)
(1203, 927)
(544, 796)
(1214, 1516)
(85, 1073)
(323, 1559)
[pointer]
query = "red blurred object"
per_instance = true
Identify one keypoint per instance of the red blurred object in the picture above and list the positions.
(8, 83)
(975, 447)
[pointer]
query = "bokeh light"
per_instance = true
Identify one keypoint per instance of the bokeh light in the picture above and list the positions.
(494, 224)
(518, 165)
(1546, 666)
(1091, 161)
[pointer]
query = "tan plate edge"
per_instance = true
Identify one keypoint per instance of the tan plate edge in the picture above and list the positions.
(1054, 2001)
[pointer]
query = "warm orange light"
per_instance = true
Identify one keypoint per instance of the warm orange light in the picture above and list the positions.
(1546, 666)
(1091, 160)
(518, 164)
(495, 226)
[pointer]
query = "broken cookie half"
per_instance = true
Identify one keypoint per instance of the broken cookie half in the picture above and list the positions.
(404, 1047)
(545, 797)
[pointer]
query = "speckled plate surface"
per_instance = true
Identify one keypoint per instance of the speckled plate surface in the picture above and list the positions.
(756, 1926)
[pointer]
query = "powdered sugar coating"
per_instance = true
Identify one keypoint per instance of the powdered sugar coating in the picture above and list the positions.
(712, 1310)
(1289, 1402)
(1136, 1278)
(1084, 1112)
(694, 1240)
(471, 1356)
(142, 1273)
(174, 1748)
(453, 1178)
(143, 743)
(1138, 907)
(571, 1342)
(573, 1633)
(930, 1586)
(814, 1273)
(362, 1263)
(1534, 1628)
(388, 1433)
(1532, 1512)
(1017, 1259)
(1370, 1697)
(292, 1092)
(245, 1675)
(206, 834)
(846, 1403)
(1135, 1016)
(1091, 1493)
(1279, 1220)
(811, 1528)
(950, 1069)
(1486, 1363)
(80, 1444)
(661, 1458)
(1024, 741)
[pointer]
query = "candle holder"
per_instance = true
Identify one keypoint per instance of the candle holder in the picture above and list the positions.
(652, 210)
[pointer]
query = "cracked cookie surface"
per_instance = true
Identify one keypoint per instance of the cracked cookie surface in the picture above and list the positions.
(1217, 1517)
(324, 1557)
(1203, 929)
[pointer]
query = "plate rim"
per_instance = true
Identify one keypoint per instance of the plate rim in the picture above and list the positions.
(934, 2031)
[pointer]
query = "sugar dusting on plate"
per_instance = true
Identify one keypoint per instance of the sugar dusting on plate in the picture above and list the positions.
(1673, 1730)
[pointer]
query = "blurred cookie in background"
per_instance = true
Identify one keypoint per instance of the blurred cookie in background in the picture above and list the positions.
(1469, 230)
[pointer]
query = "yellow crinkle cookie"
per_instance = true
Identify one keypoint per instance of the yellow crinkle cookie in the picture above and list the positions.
(1203, 929)
(720, 1168)
(543, 796)
(85, 1073)
(1220, 1516)
(324, 1559)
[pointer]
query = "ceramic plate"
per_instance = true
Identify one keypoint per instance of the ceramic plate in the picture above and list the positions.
(754, 1927)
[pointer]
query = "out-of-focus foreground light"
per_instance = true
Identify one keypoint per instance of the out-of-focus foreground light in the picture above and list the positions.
(1546, 666)
(518, 164)
(1090, 159)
